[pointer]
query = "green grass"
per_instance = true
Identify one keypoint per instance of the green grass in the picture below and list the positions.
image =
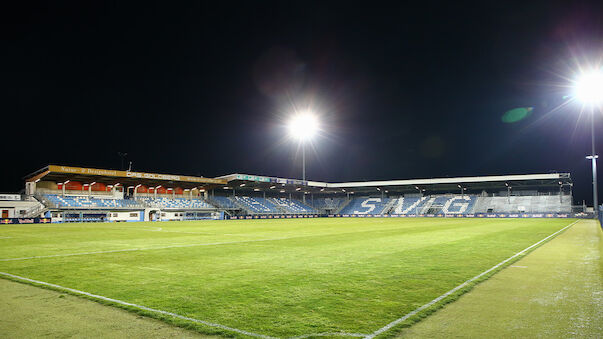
(59, 315)
(273, 277)
(555, 292)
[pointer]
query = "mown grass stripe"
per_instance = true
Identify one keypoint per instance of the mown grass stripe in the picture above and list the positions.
(140, 307)
(464, 284)
(144, 249)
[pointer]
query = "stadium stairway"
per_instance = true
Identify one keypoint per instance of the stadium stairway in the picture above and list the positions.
(36, 212)
(256, 205)
(390, 206)
(426, 205)
(328, 204)
(343, 206)
(223, 202)
(291, 206)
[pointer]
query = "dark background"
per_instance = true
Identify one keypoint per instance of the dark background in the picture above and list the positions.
(411, 91)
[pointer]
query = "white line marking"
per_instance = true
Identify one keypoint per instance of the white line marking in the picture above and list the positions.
(148, 309)
(518, 266)
(6, 237)
(329, 334)
(145, 249)
(399, 320)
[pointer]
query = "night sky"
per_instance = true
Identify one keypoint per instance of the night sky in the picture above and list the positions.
(413, 91)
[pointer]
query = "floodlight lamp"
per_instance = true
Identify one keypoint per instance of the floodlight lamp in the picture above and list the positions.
(589, 87)
(303, 126)
(591, 157)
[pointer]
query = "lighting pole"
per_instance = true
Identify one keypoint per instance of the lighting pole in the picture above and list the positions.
(303, 161)
(593, 158)
(302, 127)
(589, 90)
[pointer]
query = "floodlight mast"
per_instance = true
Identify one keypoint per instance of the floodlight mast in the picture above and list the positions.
(304, 161)
(303, 127)
(593, 159)
(589, 90)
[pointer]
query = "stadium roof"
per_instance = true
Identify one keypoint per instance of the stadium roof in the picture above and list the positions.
(437, 181)
(85, 175)
(243, 182)
(249, 183)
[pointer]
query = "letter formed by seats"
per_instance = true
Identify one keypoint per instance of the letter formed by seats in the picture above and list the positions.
(451, 205)
(369, 204)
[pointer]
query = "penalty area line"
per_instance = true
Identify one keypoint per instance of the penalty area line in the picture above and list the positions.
(140, 307)
(440, 298)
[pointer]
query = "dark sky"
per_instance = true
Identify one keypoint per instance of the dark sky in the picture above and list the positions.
(411, 91)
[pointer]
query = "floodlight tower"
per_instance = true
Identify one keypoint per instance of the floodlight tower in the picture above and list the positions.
(302, 127)
(589, 90)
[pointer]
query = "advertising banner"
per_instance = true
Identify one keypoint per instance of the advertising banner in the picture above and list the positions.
(127, 174)
(580, 215)
(11, 197)
(6, 221)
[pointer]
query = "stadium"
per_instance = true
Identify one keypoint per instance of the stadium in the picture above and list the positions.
(76, 194)
(229, 230)
(298, 170)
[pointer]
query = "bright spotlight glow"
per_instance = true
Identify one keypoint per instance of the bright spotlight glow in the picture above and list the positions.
(589, 88)
(303, 126)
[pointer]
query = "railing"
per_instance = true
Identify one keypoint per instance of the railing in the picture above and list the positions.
(35, 211)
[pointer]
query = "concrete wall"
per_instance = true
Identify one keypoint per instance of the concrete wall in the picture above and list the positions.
(17, 209)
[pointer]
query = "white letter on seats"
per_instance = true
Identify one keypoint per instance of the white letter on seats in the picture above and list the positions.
(368, 203)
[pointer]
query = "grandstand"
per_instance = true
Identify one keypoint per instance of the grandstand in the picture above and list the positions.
(69, 194)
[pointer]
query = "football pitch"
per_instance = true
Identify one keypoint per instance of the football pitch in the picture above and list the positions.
(273, 278)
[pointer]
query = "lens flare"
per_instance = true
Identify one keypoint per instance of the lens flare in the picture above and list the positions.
(517, 114)
(303, 126)
(589, 88)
